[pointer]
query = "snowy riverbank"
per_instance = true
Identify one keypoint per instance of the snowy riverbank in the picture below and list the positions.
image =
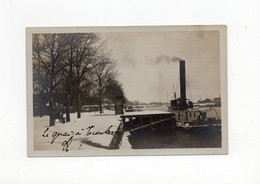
(91, 131)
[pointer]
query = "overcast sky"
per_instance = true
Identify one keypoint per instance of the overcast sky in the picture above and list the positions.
(148, 67)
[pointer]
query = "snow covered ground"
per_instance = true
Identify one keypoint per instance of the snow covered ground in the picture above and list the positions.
(91, 131)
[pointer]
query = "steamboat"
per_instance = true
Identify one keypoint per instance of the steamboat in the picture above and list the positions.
(186, 115)
(181, 113)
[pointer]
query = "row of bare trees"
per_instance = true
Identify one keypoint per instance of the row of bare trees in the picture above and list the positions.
(70, 64)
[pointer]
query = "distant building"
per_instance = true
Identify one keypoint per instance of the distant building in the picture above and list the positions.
(217, 101)
(206, 100)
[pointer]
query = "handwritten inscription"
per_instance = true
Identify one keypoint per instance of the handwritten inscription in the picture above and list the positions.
(89, 131)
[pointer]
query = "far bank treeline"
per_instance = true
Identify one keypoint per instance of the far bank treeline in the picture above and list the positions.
(69, 69)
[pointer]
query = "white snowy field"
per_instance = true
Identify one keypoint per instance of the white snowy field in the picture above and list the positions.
(91, 131)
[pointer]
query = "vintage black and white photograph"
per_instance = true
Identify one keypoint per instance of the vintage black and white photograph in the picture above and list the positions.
(127, 90)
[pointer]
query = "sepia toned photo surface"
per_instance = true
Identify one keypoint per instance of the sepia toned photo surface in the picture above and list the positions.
(152, 90)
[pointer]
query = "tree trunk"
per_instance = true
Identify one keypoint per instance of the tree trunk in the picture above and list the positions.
(51, 89)
(68, 108)
(100, 94)
(51, 102)
(100, 102)
(78, 113)
(78, 107)
(108, 107)
(78, 101)
(69, 91)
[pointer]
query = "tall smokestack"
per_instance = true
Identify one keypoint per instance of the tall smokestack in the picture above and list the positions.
(183, 85)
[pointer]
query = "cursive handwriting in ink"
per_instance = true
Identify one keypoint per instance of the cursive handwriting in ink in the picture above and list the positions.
(89, 128)
(57, 134)
(107, 131)
(45, 134)
(88, 132)
(66, 144)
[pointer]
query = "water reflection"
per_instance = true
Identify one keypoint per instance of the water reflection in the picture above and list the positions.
(206, 137)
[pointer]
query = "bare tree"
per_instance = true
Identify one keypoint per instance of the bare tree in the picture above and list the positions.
(67, 65)
(48, 51)
(102, 74)
(85, 59)
(69, 61)
(112, 90)
(40, 79)
(79, 60)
